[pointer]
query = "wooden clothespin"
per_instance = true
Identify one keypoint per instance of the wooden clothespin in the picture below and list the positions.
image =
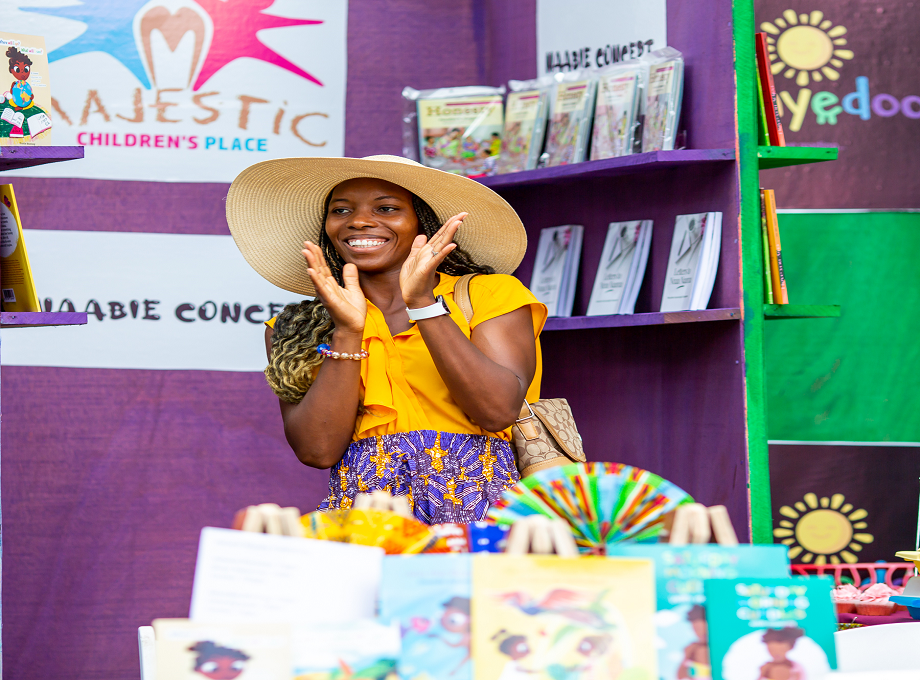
(695, 523)
(540, 535)
(269, 518)
(382, 500)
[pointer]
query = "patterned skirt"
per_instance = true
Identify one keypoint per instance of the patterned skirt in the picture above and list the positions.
(447, 477)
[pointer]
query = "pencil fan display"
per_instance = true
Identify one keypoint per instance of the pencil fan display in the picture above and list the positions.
(602, 502)
(396, 534)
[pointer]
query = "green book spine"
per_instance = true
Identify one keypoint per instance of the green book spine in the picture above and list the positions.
(767, 279)
(763, 136)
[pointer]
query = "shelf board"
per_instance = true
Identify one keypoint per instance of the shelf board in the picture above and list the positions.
(800, 311)
(35, 319)
(781, 156)
(610, 167)
(572, 323)
(13, 157)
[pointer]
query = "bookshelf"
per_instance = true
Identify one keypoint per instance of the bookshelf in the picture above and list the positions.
(15, 157)
(782, 156)
(33, 319)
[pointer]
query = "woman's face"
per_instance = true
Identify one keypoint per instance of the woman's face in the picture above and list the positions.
(371, 223)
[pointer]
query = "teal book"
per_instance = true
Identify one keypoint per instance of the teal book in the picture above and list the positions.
(771, 629)
(429, 597)
(680, 619)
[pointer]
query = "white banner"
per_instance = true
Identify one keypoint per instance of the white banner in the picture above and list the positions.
(185, 91)
(576, 34)
(155, 301)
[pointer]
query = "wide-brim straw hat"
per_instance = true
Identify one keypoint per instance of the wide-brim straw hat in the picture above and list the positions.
(276, 205)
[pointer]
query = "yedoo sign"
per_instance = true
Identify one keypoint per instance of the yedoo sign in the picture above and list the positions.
(188, 91)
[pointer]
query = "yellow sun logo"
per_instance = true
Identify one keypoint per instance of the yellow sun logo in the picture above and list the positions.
(823, 530)
(806, 46)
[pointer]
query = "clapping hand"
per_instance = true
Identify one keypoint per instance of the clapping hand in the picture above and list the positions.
(417, 276)
(346, 305)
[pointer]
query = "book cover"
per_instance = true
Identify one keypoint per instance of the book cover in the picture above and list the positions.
(364, 650)
(780, 293)
(683, 261)
(25, 108)
(767, 272)
(637, 275)
(546, 618)
(702, 286)
(768, 88)
(763, 134)
(428, 597)
(570, 273)
(680, 619)
(767, 629)
(549, 267)
(570, 122)
(621, 248)
(615, 113)
(460, 134)
(662, 109)
(16, 283)
(523, 132)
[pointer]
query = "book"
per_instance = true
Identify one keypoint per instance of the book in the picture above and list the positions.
(428, 597)
(16, 282)
(555, 268)
(357, 649)
(25, 104)
(680, 618)
(767, 273)
(663, 101)
(768, 91)
(552, 617)
(763, 134)
(570, 121)
(688, 269)
(780, 293)
(616, 111)
(623, 262)
(771, 628)
(525, 125)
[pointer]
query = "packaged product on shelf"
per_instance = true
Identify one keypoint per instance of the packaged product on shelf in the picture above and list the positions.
(619, 89)
(662, 103)
(16, 281)
(428, 598)
(26, 102)
(456, 129)
(680, 619)
(551, 617)
(525, 124)
(692, 262)
(621, 269)
(771, 628)
(555, 268)
(570, 118)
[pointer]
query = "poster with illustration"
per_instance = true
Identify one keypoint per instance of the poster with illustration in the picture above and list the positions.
(25, 107)
(197, 651)
(428, 597)
(680, 619)
(460, 134)
(615, 112)
(771, 629)
(546, 618)
(364, 650)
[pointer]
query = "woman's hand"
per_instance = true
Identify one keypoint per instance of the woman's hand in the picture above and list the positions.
(417, 276)
(347, 305)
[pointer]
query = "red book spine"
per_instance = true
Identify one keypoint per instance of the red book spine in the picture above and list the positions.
(774, 124)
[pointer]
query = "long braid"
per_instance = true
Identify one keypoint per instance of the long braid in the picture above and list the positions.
(300, 328)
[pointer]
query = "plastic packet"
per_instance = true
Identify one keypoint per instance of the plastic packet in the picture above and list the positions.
(456, 129)
(526, 111)
(570, 118)
(620, 89)
(663, 99)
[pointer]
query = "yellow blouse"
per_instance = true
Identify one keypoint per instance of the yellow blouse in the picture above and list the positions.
(401, 388)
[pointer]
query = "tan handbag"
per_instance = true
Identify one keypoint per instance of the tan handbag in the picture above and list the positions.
(544, 435)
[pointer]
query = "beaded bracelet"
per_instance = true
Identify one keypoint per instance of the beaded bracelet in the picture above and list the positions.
(326, 351)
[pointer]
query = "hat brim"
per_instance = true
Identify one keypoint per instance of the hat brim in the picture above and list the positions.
(276, 205)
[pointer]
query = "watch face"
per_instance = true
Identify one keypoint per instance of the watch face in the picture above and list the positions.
(443, 302)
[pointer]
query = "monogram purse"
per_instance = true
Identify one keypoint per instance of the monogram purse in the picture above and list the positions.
(544, 435)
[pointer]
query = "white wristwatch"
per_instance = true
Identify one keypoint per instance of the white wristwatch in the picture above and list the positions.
(439, 308)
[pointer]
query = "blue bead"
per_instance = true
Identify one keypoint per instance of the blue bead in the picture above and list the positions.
(323, 348)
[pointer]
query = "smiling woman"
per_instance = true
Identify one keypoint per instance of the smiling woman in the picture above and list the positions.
(381, 377)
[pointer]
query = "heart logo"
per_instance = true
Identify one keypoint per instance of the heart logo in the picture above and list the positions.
(173, 28)
(419, 625)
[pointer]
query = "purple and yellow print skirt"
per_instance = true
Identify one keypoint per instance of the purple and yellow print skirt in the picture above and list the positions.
(447, 477)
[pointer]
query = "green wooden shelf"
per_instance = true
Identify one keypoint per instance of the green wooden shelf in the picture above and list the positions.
(800, 311)
(781, 156)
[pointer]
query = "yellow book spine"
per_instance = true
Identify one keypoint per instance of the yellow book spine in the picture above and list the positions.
(780, 294)
(17, 288)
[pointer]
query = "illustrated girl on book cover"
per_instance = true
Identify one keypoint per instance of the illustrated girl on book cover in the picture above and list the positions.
(21, 117)
(218, 663)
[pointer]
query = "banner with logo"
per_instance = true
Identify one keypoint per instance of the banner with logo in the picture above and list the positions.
(185, 91)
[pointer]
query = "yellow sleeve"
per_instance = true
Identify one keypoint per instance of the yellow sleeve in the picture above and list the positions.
(271, 322)
(497, 294)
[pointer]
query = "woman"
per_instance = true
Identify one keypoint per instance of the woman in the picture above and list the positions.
(381, 378)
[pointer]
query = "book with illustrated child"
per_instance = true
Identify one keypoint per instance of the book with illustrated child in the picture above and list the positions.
(662, 103)
(555, 268)
(621, 269)
(570, 122)
(693, 262)
(616, 111)
(25, 108)
(525, 125)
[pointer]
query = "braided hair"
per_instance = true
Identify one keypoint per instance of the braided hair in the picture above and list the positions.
(300, 328)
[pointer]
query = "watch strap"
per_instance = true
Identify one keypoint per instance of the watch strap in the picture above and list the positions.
(439, 308)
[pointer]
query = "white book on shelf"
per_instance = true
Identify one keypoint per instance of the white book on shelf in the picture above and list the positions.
(628, 303)
(706, 279)
(572, 265)
(552, 266)
(687, 248)
(616, 268)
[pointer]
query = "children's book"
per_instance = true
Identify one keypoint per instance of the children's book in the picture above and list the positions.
(25, 106)
(686, 263)
(428, 598)
(525, 125)
(359, 650)
(623, 262)
(680, 620)
(547, 617)
(663, 102)
(570, 122)
(771, 629)
(16, 283)
(780, 292)
(555, 269)
(615, 113)
(768, 92)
